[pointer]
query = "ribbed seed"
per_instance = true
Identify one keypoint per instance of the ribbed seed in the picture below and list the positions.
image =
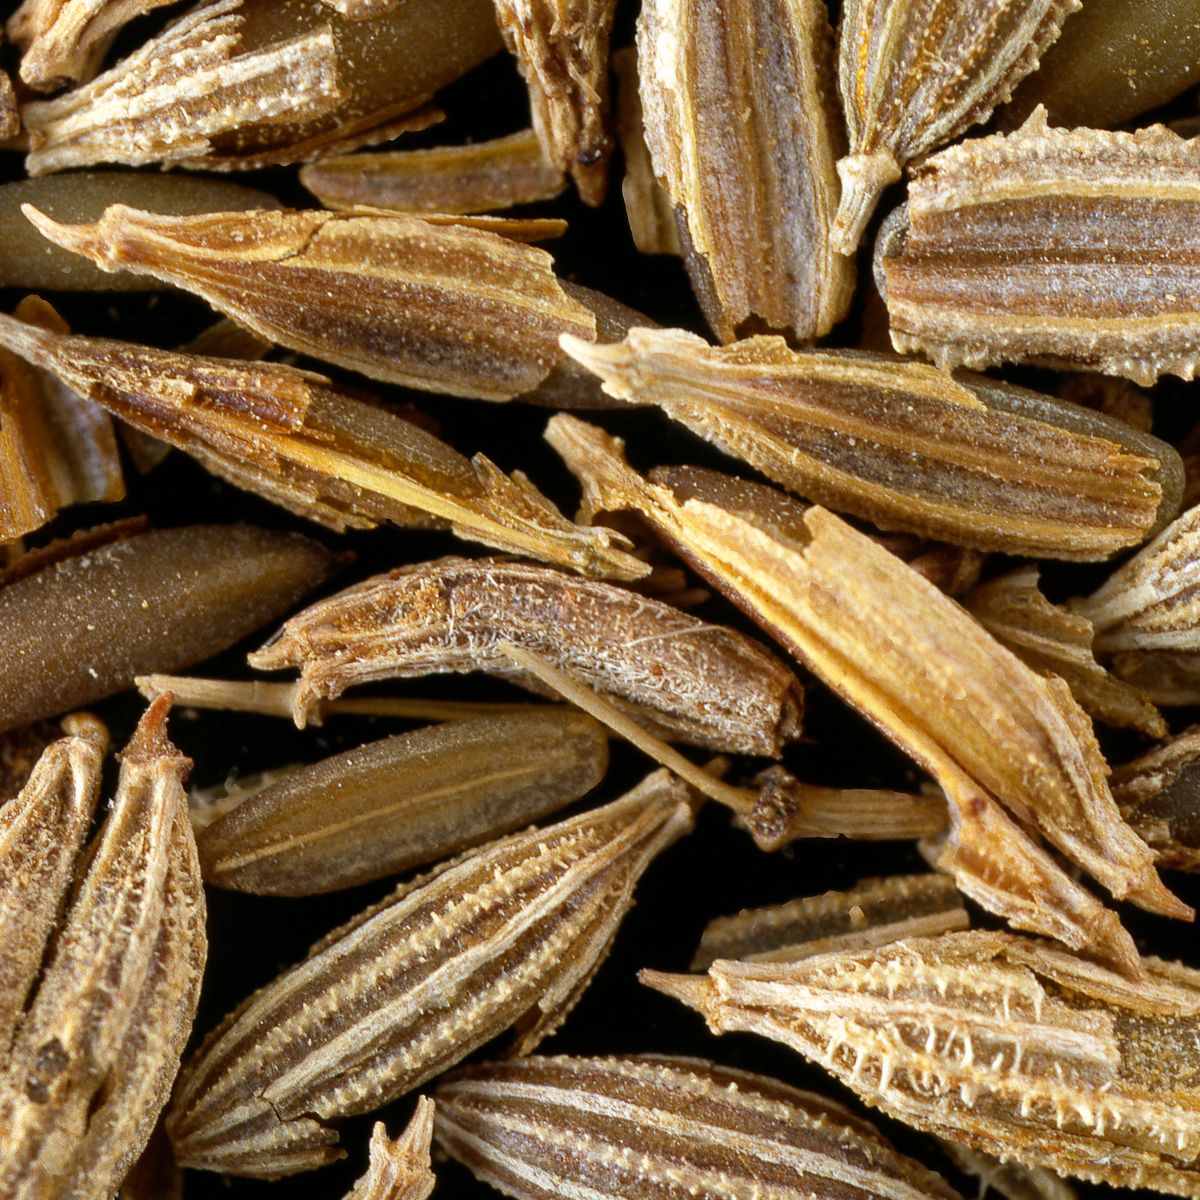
(508, 936)
(677, 675)
(1006, 1044)
(658, 1128)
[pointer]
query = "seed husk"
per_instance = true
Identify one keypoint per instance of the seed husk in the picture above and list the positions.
(913, 78)
(400, 1169)
(745, 145)
(56, 448)
(668, 1128)
(1072, 248)
(92, 1063)
(64, 41)
(561, 47)
(81, 628)
(1051, 638)
(1006, 1044)
(247, 83)
(317, 451)
(904, 445)
(703, 684)
(402, 802)
(442, 308)
(28, 260)
(507, 935)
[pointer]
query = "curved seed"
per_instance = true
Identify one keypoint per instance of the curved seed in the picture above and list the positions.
(694, 681)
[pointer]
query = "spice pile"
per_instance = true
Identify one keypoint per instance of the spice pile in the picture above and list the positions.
(469, 515)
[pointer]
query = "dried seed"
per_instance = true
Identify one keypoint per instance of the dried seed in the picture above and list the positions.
(10, 113)
(64, 41)
(871, 913)
(950, 568)
(509, 934)
(1009, 1180)
(1159, 795)
(56, 448)
(894, 647)
(41, 833)
(400, 1170)
(475, 178)
(561, 47)
(1150, 602)
(694, 681)
(667, 1128)
(745, 144)
(1005, 1044)
(913, 78)
(402, 802)
(1115, 60)
(647, 206)
(81, 629)
(289, 436)
(906, 446)
(20, 749)
(278, 700)
(1051, 639)
(443, 308)
(99, 1045)
(246, 83)
(28, 260)
(1071, 248)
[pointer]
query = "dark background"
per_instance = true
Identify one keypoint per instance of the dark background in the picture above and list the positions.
(715, 871)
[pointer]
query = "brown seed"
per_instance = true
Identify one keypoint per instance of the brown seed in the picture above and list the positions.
(402, 802)
(97, 1050)
(1072, 248)
(507, 935)
(658, 1128)
(246, 83)
(443, 308)
(1054, 640)
(81, 629)
(691, 680)
(1008, 1045)
(913, 78)
(562, 50)
(475, 178)
(293, 438)
(745, 144)
(894, 647)
(906, 446)
(1159, 795)
(872, 913)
